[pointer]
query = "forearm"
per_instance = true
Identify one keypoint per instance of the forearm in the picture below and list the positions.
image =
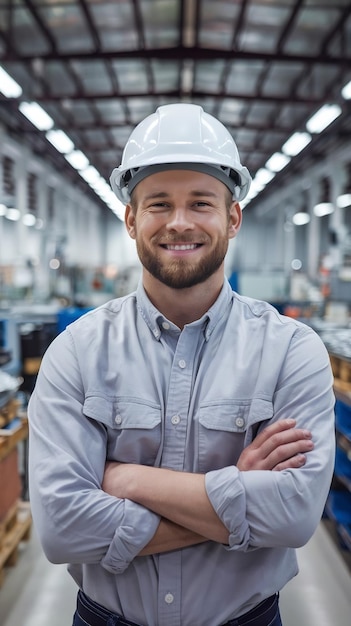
(170, 536)
(177, 496)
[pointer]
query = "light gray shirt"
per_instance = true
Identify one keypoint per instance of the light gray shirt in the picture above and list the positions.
(123, 383)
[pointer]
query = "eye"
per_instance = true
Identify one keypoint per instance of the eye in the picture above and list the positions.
(201, 205)
(158, 206)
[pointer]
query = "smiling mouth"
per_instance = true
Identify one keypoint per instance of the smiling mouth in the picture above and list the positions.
(181, 246)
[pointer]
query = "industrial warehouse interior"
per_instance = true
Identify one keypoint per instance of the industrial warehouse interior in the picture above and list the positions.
(76, 78)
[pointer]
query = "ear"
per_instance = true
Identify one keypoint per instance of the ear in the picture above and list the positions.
(129, 219)
(235, 218)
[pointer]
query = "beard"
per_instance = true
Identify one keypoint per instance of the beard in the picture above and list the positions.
(182, 273)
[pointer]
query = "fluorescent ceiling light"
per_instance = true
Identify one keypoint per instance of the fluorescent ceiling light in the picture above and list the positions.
(344, 200)
(8, 86)
(252, 193)
(296, 143)
(3, 209)
(77, 159)
(323, 208)
(35, 114)
(117, 207)
(90, 174)
(100, 185)
(264, 176)
(323, 117)
(110, 197)
(346, 91)
(13, 214)
(277, 161)
(300, 218)
(29, 219)
(255, 187)
(104, 193)
(60, 141)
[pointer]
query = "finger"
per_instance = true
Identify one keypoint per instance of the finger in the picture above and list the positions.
(274, 434)
(295, 462)
(278, 449)
(294, 437)
(273, 429)
(267, 449)
(290, 450)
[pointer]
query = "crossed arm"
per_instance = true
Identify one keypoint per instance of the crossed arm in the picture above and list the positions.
(180, 498)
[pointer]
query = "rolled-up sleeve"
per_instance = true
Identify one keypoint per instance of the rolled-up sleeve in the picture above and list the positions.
(283, 508)
(77, 522)
(227, 496)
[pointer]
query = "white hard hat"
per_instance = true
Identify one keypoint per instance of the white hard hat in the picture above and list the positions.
(180, 136)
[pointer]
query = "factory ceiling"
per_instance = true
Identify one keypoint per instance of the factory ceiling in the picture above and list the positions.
(98, 67)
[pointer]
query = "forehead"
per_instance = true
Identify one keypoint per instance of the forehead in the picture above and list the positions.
(180, 181)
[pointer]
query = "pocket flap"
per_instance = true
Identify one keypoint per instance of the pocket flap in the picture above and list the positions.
(235, 416)
(136, 414)
(225, 416)
(99, 408)
(260, 410)
(123, 413)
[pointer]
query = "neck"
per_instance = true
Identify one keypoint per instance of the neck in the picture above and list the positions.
(183, 306)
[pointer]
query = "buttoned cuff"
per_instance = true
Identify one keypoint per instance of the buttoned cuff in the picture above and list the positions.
(136, 529)
(227, 496)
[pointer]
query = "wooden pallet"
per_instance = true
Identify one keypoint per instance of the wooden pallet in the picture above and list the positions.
(15, 528)
(10, 438)
(9, 411)
(341, 369)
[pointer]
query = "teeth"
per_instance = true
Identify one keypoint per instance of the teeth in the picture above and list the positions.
(183, 246)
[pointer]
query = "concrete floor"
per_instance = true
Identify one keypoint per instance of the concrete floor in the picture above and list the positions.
(36, 593)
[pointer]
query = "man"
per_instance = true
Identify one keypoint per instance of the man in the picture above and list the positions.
(182, 437)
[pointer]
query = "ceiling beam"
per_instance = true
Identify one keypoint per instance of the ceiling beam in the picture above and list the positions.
(178, 53)
(309, 101)
(42, 25)
(113, 125)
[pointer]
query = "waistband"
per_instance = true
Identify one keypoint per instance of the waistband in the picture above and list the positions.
(261, 615)
(96, 615)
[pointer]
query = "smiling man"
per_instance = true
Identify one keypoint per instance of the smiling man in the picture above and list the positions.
(182, 221)
(181, 437)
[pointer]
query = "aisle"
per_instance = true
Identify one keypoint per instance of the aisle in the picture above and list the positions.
(321, 594)
(36, 593)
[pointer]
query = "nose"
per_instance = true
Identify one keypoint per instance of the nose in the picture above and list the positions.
(180, 219)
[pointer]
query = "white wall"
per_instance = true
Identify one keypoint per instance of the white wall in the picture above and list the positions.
(281, 204)
(79, 231)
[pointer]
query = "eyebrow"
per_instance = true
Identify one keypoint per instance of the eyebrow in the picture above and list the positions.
(198, 193)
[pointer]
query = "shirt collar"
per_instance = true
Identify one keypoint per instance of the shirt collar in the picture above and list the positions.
(158, 323)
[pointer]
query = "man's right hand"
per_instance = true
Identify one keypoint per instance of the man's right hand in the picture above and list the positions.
(279, 446)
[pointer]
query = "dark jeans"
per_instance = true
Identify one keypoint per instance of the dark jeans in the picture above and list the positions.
(90, 613)
(276, 621)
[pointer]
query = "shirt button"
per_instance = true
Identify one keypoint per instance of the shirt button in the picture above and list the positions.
(118, 419)
(175, 420)
(166, 325)
(240, 422)
(182, 363)
(169, 598)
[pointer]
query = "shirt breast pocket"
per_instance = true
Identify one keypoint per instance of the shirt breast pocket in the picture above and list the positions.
(225, 428)
(133, 427)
